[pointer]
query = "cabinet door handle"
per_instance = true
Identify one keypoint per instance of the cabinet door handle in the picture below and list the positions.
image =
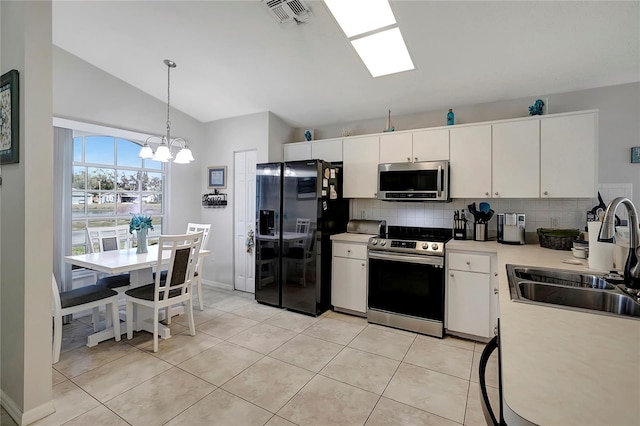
(451, 275)
(495, 274)
(348, 251)
(496, 193)
(546, 193)
(363, 265)
(468, 262)
(495, 291)
(415, 158)
(409, 159)
(486, 193)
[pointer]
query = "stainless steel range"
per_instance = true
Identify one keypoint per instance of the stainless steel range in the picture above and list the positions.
(406, 279)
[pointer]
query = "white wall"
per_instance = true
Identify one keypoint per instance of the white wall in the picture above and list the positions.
(26, 212)
(85, 93)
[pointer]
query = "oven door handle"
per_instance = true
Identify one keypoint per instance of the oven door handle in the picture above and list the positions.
(424, 260)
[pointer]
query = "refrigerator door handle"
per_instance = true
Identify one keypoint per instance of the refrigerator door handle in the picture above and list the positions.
(489, 415)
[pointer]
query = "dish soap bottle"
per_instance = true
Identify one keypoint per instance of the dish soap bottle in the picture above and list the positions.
(450, 117)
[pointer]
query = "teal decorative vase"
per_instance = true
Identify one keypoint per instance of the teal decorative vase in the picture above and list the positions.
(450, 118)
(142, 241)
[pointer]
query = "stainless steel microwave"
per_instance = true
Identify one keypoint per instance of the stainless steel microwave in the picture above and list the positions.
(420, 181)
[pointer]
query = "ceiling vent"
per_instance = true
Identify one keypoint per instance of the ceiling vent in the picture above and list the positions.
(288, 10)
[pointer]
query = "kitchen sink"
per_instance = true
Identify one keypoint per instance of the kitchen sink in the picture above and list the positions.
(570, 290)
(561, 277)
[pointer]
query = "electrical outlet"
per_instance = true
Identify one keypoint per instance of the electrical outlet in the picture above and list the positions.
(555, 222)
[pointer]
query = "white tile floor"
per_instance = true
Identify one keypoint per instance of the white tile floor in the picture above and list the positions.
(251, 364)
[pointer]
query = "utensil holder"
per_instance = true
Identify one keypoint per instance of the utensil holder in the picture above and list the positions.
(480, 231)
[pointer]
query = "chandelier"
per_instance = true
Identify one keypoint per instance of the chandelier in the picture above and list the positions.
(163, 152)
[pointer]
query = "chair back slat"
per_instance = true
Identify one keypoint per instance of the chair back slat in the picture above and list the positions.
(184, 251)
(56, 303)
(200, 227)
(107, 238)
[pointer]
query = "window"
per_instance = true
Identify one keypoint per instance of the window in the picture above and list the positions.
(109, 183)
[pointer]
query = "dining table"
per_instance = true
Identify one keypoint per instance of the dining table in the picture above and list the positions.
(140, 268)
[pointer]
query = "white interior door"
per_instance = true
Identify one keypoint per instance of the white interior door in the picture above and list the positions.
(244, 219)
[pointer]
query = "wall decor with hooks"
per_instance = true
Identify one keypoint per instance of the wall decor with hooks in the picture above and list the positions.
(214, 199)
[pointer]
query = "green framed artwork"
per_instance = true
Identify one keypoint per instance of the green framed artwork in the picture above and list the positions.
(9, 118)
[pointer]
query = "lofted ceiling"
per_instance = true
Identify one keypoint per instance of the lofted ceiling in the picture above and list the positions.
(234, 58)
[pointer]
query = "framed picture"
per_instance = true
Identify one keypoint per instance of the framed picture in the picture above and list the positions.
(635, 154)
(218, 177)
(9, 119)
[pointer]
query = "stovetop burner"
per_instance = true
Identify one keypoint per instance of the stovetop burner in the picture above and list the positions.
(412, 240)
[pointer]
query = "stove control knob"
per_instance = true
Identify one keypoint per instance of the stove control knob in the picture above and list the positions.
(425, 246)
(383, 243)
(374, 242)
(434, 246)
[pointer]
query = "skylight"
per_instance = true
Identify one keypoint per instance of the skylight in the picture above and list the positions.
(371, 28)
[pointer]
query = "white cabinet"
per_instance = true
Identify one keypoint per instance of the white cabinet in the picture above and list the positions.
(396, 148)
(327, 150)
(516, 159)
(424, 145)
(360, 156)
(568, 147)
(472, 294)
(297, 151)
(349, 277)
(470, 156)
(431, 145)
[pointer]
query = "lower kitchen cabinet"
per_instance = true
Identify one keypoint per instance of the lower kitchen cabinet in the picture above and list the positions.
(472, 295)
(349, 278)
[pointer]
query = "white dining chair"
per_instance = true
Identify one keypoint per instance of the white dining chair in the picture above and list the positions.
(110, 238)
(182, 251)
(193, 228)
(80, 299)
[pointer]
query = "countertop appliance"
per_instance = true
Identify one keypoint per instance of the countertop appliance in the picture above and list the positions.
(302, 205)
(406, 279)
(371, 227)
(511, 228)
(420, 181)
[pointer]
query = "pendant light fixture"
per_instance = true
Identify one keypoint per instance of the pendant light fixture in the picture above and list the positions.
(163, 152)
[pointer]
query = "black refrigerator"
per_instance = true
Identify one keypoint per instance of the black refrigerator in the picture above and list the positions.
(299, 205)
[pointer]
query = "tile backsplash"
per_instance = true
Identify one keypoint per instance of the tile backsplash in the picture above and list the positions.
(540, 213)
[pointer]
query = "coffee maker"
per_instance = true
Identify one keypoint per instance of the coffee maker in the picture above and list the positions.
(511, 228)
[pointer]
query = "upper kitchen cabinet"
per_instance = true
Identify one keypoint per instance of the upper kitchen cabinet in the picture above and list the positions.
(297, 151)
(327, 150)
(568, 152)
(360, 156)
(396, 148)
(431, 145)
(516, 159)
(470, 157)
(423, 145)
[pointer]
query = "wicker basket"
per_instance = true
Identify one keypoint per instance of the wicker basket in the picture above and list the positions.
(557, 239)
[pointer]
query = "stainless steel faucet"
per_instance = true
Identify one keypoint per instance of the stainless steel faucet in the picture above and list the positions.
(607, 235)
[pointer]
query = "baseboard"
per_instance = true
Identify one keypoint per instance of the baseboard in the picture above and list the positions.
(28, 417)
(216, 284)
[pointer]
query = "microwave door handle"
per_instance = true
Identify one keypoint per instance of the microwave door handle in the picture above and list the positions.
(439, 181)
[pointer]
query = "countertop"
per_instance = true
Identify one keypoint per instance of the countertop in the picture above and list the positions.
(348, 237)
(562, 367)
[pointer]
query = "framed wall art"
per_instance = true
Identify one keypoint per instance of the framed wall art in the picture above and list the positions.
(9, 118)
(218, 177)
